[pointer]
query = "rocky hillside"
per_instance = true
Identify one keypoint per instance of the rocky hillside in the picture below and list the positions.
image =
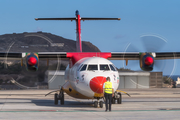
(41, 42)
(34, 42)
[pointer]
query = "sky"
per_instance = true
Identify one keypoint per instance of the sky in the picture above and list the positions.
(138, 18)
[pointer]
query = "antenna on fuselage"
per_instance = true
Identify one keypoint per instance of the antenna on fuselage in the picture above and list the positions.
(78, 26)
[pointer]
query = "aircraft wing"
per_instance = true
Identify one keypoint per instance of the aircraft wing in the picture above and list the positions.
(136, 55)
(11, 56)
(114, 55)
(41, 55)
(124, 56)
(53, 55)
(167, 55)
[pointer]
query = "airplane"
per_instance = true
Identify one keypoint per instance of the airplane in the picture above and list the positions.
(87, 71)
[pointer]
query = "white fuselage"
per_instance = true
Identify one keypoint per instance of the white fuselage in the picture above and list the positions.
(88, 75)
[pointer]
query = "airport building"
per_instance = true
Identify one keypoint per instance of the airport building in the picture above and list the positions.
(128, 79)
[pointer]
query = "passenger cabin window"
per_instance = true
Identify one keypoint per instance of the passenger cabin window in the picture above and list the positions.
(92, 67)
(112, 68)
(84, 67)
(104, 67)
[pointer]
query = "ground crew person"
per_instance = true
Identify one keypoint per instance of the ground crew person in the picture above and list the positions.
(108, 92)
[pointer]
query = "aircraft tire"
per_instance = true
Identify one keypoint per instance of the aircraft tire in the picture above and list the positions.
(95, 104)
(101, 104)
(113, 100)
(119, 100)
(62, 99)
(55, 99)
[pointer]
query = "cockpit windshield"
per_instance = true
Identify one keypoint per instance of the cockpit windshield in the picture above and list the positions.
(80, 67)
(104, 67)
(92, 67)
(84, 67)
(112, 68)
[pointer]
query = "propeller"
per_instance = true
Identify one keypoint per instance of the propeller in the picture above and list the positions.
(30, 45)
(149, 44)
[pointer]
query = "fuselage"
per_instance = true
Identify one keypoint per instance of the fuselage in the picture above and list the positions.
(87, 76)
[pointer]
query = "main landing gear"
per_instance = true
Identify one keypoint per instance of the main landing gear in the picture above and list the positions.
(60, 97)
(100, 103)
(118, 97)
(57, 96)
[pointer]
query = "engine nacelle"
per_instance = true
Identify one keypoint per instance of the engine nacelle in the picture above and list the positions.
(32, 62)
(146, 61)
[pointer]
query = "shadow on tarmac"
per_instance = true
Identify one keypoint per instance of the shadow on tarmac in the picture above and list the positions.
(42, 102)
(66, 103)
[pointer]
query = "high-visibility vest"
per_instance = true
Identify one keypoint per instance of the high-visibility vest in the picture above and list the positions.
(108, 87)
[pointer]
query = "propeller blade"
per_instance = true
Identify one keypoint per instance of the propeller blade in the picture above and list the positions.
(152, 43)
(131, 48)
(159, 64)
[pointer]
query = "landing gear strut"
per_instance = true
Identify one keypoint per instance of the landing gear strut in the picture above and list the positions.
(59, 97)
(55, 98)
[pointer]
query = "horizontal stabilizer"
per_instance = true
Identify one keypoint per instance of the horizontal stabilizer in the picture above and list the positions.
(100, 18)
(75, 19)
(55, 18)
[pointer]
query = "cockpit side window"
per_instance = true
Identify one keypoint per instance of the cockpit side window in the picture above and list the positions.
(80, 67)
(104, 67)
(112, 68)
(84, 67)
(92, 67)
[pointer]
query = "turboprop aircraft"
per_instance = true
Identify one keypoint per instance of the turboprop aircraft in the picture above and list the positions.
(87, 71)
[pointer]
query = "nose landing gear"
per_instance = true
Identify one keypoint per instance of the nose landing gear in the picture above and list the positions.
(100, 103)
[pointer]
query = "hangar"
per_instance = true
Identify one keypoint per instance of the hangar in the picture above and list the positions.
(132, 79)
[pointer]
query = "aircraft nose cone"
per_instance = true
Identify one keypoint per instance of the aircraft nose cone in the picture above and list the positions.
(149, 60)
(96, 84)
(32, 61)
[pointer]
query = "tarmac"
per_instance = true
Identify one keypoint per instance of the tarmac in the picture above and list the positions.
(144, 104)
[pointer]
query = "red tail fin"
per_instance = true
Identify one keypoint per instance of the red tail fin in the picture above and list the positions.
(78, 32)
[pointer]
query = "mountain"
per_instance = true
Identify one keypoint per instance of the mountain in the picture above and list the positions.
(41, 42)
(34, 42)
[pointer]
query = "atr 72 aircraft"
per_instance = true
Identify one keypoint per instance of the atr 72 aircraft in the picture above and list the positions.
(87, 71)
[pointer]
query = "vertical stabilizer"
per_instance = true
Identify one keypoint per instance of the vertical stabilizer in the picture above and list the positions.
(78, 32)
